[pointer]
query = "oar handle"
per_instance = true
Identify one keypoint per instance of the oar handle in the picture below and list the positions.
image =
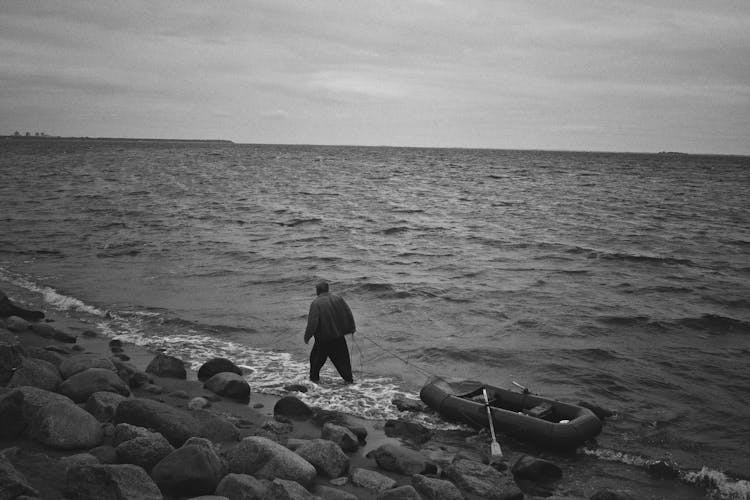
(489, 413)
(524, 389)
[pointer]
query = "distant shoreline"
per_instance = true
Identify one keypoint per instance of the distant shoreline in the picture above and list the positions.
(47, 138)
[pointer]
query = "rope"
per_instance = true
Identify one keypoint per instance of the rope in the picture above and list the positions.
(423, 371)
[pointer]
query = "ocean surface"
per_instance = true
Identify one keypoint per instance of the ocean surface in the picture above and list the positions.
(622, 280)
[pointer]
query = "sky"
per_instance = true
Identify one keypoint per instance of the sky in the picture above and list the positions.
(636, 75)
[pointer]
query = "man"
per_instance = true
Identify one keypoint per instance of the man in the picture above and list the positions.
(328, 321)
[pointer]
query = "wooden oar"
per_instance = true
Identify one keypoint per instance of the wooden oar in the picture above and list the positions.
(495, 451)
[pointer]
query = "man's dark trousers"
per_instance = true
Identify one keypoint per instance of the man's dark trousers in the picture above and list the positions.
(338, 352)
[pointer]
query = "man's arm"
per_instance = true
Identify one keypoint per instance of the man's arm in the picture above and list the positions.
(312, 322)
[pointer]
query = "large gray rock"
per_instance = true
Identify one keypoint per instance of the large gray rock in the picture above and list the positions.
(483, 480)
(110, 482)
(194, 469)
(409, 431)
(229, 385)
(44, 354)
(103, 405)
(435, 489)
(282, 489)
(65, 426)
(217, 365)
(536, 469)
(12, 483)
(243, 487)
(126, 432)
(36, 373)
(406, 492)
(17, 324)
(341, 436)
(144, 451)
(216, 428)
(164, 365)
(291, 406)
(11, 357)
(82, 385)
(372, 480)
(80, 362)
(12, 421)
(326, 456)
(402, 460)
(174, 424)
(266, 459)
(34, 399)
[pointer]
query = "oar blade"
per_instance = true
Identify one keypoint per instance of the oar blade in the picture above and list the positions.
(495, 450)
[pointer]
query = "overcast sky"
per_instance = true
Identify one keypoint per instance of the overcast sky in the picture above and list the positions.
(647, 75)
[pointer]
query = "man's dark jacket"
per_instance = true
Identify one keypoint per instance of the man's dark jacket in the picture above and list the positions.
(329, 319)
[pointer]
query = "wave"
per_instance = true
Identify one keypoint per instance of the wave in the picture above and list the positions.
(299, 222)
(714, 324)
(51, 296)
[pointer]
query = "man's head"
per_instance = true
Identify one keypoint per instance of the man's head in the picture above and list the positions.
(321, 287)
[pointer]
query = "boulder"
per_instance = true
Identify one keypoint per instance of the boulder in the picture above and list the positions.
(36, 373)
(326, 456)
(80, 362)
(193, 469)
(43, 330)
(102, 405)
(65, 337)
(105, 454)
(164, 365)
(115, 482)
(35, 399)
(266, 459)
(403, 403)
(198, 403)
(144, 451)
(406, 492)
(401, 460)
(290, 406)
(11, 357)
(281, 489)
(372, 480)
(44, 354)
(12, 483)
(243, 487)
(17, 324)
(82, 385)
(215, 428)
(435, 489)
(174, 424)
(9, 308)
(12, 421)
(341, 436)
(482, 480)
(409, 431)
(217, 365)
(126, 432)
(536, 469)
(65, 426)
(130, 374)
(229, 385)
(78, 459)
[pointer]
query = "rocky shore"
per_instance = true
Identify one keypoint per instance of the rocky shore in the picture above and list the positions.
(83, 416)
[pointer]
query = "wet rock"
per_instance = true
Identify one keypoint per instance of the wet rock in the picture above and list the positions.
(229, 385)
(282, 489)
(407, 404)
(194, 469)
(342, 436)
(266, 459)
(64, 337)
(406, 492)
(130, 374)
(43, 330)
(116, 482)
(82, 385)
(65, 426)
(295, 388)
(435, 489)
(8, 308)
(409, 431)
(12, 483)
(536, 469)
(164, 365)
(608, 494)
(243, 487)
(601, 413)
(80, 362)
(11, 357)
(144, 451)
(372, 480)
(102, 405)
(12, 421)
(328, 493)
(217, 365)
(483, 480)
(326, 456)
(401, 460)
(36, 373)
(291, 406)
(174, 424)
(16, 324)
(277, 427)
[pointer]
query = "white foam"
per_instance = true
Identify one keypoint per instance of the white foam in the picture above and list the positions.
(51, 296)
(720, 483)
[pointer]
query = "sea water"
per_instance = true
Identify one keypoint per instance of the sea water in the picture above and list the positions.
(617, 279)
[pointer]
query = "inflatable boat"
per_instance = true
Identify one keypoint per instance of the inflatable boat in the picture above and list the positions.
(523, 415)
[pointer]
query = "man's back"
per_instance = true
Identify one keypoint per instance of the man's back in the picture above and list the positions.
(329, 318)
